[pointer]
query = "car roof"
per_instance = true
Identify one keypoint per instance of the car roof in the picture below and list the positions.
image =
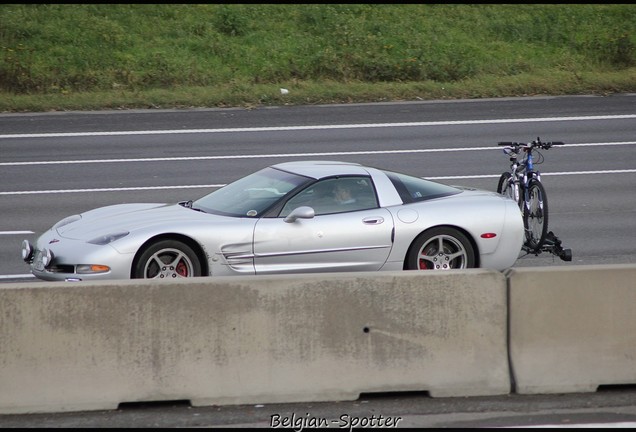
(320, 169)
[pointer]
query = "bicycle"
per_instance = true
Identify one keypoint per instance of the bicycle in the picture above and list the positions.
(523, 184)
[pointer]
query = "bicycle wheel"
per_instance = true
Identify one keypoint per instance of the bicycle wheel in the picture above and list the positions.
(535, 215)
(507, 187)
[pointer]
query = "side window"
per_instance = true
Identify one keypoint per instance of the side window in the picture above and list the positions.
(413, 189)
(335, 195)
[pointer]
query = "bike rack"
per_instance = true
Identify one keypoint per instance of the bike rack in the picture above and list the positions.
(553, 245)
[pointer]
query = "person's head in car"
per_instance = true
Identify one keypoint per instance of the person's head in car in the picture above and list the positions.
(343, 193)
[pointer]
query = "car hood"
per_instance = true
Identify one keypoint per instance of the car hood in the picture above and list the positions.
(132, 217)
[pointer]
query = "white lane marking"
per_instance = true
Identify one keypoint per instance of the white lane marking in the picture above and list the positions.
(17, 276)
(293, 155)
(320, 127)
(15, 232)
(127, 189)
(250, 156)
(112, 189)
(562, 173)
(579, 425)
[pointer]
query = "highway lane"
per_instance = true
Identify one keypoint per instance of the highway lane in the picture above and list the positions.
(591, 208)
(78, 161)
(281, 116)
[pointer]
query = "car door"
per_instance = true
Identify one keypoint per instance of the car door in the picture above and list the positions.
(352, 237)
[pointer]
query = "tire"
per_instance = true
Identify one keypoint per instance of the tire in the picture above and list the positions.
(167, 259)
(506, 187)
(441, 248)
(535, 215)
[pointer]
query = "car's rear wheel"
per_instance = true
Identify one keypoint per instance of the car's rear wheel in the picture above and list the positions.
(441, 248)
(167, 259)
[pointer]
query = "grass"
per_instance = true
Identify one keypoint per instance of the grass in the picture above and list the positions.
(120, 56)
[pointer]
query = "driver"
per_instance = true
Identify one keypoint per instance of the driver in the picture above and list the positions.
(343, 194)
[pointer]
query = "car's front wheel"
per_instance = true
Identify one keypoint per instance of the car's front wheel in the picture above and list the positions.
(167, 259)
(441, 248)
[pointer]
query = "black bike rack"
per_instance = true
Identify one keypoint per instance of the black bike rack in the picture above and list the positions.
(553, 245)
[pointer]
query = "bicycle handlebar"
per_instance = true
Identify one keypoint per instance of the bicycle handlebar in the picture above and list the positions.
(537, 143)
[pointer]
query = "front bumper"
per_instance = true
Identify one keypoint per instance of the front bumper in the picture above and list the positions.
(69, 258)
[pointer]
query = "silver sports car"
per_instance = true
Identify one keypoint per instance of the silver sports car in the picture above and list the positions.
(294, 217)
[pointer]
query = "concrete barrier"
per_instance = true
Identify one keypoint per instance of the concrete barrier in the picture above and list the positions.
(237, 340)
(572, 328)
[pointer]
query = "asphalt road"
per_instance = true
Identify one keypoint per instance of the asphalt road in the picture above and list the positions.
(56, 164)
(608, 408)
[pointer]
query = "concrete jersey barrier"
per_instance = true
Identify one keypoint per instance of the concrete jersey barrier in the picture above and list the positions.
(572, 329)
(239, 340)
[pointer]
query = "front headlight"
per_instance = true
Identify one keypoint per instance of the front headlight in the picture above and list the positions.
(108, 238)
(47, 257)
(66, 221)
(27, 251)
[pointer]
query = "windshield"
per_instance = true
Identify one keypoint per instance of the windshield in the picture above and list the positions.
(250, 196)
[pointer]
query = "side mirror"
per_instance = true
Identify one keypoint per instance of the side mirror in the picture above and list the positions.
(302, 212)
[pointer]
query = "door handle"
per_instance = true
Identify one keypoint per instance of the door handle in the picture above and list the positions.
(373, 220)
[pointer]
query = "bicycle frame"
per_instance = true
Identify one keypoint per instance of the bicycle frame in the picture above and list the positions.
(521, 172)
(528, 171)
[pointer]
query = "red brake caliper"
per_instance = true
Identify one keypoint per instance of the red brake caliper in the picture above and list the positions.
(182, 269)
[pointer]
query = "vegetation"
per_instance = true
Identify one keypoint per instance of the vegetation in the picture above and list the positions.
(106, 56)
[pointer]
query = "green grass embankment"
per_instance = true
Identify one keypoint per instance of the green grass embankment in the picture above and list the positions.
(117, 56)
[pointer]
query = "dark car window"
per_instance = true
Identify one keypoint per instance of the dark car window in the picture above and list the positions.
(251, 196)
(413, 189)
(335, 195)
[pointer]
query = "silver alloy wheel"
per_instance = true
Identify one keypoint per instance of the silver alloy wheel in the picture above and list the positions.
(442, 252)
(168, 263)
